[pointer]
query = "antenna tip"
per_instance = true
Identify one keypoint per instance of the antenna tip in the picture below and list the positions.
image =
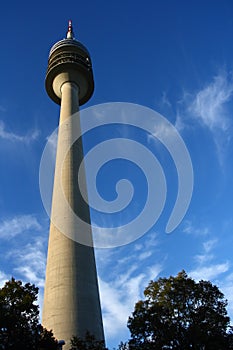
(70, 34)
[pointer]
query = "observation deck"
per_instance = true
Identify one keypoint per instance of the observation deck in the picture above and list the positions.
(69, 60)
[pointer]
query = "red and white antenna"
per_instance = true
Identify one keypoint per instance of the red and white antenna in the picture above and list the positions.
(70, 33)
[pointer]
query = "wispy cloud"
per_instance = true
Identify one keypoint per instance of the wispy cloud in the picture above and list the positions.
(12, 137)
(190, 228)
(118, 297)
(206, 256)
(121, 289)
(23, 251)
(226, 286)
(31, 262)
(3, 278)
(165, 100)
(15, 226)
(209, 107)
(209, 104)
(179, 123)
(206, 268)
(210, 272)
(209, 245)
(52, 143)
(144, 255)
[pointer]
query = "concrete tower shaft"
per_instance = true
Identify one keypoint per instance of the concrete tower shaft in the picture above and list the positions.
(71, 297)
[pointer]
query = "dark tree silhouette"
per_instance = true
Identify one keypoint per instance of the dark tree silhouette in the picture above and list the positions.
(179, 313)
(88, 343)
(19, 319)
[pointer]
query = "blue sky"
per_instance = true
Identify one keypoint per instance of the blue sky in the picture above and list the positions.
(175, 57)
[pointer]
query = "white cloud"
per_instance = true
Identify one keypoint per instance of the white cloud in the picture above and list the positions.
(31, 262)
(179, 124)
(126, 275)
(208, 105)
(206, 256)
(190, 228)
(138, 246)
(203, 258)
(162, 131)
(144, 255)
(115, 310)
(119, 295)
(152, 272)
(217, 274)
(205, 269)
(165, 100)
(226, 286)
(151, 240)
(28, 261)
(3, 278)
(209, 272)
(17, 225)
(52, 143)
(12, 137)
(121, 289)
(208, 269)
(209, 245)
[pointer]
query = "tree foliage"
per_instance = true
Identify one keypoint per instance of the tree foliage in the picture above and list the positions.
(179, 313)
(19, 319)
(123, 346)
(88, 343)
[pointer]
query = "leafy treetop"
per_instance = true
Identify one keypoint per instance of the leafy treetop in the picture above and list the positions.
(179, 313)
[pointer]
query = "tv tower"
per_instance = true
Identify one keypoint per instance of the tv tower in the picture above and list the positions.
(71, 296)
